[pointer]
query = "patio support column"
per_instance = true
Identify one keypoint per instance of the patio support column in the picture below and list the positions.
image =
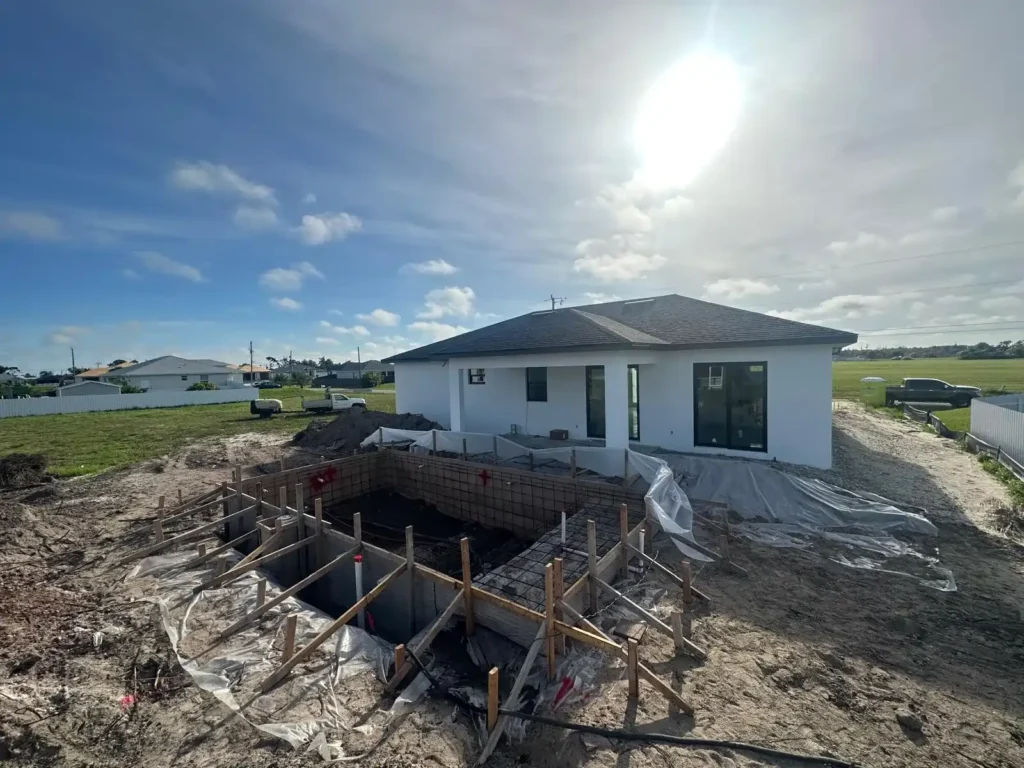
(456, 397)
(616, 405)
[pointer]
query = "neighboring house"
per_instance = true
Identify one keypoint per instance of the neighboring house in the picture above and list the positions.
(352, 371)
(169, 372)
(97, 374)
(253, 372)
(667, 371)
(10, 378)
(88, 388)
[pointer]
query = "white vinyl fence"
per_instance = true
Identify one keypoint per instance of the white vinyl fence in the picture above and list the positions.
(37, 406)
(999, 421)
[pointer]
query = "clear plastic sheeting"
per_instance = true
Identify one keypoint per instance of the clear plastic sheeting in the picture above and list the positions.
(664, 498)
(784, 510)
(303, 707)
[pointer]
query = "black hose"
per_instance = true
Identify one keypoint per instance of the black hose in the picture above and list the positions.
(622, 735)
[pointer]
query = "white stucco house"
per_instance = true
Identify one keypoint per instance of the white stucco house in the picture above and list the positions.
(170, 372)
(667, 371)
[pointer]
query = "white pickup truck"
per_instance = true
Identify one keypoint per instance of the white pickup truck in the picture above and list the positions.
(334, 402)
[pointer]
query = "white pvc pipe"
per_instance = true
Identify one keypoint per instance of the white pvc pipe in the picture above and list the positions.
(563, 528)
(359, 589)
(641, 547)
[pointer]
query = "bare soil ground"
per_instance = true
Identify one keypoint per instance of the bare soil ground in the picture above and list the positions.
(805, 655)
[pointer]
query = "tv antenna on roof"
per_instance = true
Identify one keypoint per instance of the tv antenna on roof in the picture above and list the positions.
(560, 299)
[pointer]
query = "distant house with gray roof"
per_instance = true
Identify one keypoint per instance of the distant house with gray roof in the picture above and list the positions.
(175, 373)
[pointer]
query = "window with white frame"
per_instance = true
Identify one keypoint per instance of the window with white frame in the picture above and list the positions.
(476, 375)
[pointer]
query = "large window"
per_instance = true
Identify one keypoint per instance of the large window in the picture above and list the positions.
(729, 405)
(536, 385)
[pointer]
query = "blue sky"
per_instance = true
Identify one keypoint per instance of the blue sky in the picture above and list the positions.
(186, 177)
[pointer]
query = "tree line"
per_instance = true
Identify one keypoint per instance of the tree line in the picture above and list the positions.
(1004, 350)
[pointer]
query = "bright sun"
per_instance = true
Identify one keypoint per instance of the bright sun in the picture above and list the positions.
(685, 118)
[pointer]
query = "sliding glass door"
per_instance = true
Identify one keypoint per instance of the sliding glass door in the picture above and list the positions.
(729, 405)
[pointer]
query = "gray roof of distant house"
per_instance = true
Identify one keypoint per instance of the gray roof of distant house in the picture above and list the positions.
(369, 365)
(661, 322)
(170, 365)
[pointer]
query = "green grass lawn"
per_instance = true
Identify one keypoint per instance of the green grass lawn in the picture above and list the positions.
(390, 385)
(958, 419)
(987, 374)
(82, 443)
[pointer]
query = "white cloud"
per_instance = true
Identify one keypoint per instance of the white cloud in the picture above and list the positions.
(445, 302)
(436, 331)
(600, 298)
(326, 340)
(355, 330)
(739, 287)
(335, 312)
(69, 334)
(317, 229)
(29, 225)
(848, 307)
(1017, 176)
(291, 279)
(676, 206)
(863, 241)
(615, 261)
(285, 303)
(380, 317)
(944, 214)
(255, 217)
(157, 262)
(924, 236)
(432, 267)
(309, 199)
(219, 179)
(1006, 303)
(130, 274)
(630, 218)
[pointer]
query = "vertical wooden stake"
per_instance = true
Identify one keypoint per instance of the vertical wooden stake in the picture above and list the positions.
(467, 587)
(678, 632)
(723, 546)
(357, 529)
(282, 497)
(687, 582)
(463, 449)
(492, 699)
(300, 529)
(261, 592)
(559, 580)
(592, 564)
(549, 618)
(410, 553)
(624, 535)
(201, 550)
(282, 463)
(158, 525)
(258, 495)
(289, 637)
(632, 658)
(238, 502)
(399, 656)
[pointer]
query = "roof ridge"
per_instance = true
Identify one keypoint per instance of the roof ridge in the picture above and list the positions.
(612, 326)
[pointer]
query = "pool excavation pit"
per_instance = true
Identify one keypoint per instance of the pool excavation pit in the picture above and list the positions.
(362, 559)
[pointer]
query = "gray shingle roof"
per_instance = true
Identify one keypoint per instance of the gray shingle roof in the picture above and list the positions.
(669, 322)
(169, 364)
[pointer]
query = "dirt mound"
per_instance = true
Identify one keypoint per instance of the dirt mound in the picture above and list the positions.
(20, 470)
(344, 434)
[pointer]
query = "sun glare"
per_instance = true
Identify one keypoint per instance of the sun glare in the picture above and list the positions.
(685, 118)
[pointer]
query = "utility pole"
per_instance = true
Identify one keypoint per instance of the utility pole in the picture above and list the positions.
(359, 362)
(72, 361)
(252, 373)
(560, 299)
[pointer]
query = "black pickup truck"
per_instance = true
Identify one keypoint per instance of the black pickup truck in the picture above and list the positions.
(931, 391)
